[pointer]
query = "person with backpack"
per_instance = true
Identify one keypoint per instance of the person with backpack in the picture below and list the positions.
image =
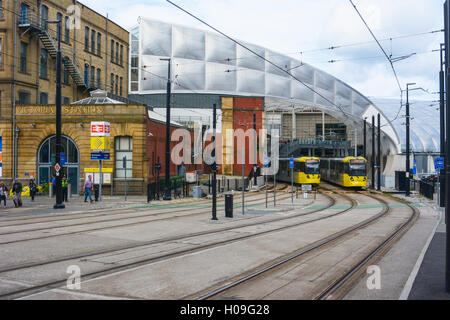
(33, 189)
(3, 193)
(17, 191)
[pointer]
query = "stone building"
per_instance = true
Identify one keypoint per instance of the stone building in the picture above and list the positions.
(94, 51)
(37, 144)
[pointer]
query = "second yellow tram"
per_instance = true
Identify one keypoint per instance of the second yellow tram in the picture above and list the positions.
(347, 172)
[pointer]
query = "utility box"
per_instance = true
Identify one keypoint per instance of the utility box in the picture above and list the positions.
(229, 206)
(197, 191)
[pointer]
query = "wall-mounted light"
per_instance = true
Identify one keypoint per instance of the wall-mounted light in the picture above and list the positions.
(81, 125)
(33, 125)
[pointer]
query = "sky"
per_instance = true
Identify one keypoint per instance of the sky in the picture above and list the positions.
(298, 27)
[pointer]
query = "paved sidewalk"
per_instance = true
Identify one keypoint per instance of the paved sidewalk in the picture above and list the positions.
(429, 283)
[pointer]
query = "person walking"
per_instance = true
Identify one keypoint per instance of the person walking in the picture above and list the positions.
(33, 189)
(65, 184)
(3, 193)
(88, 186)
(53, 184)
(17, 191)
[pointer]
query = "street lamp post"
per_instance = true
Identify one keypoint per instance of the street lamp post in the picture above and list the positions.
(59, 197)
(167, 193)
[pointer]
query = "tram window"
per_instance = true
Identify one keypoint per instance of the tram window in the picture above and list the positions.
(298, 166)
(358, 170)
(312, 168)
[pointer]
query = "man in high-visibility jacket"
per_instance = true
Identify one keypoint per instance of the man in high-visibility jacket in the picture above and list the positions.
(64, 184)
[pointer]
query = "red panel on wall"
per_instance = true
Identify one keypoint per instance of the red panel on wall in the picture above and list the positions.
(243, 110)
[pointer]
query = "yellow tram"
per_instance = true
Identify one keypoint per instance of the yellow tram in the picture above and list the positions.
(306, 171)
(347, 172)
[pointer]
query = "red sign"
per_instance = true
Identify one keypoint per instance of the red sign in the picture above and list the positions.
(100, 129)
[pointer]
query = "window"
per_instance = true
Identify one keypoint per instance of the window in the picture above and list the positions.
(112, 50)
(99, 74)
(112, 83)
(24, 13)
(43, 71)
(99, 44)
(86, 39)
(66, 76)
(1, 53)
(59, 17)
(117, 85)
(43, 98)
(121, 85)
(92, 77)
(86, 75)
(124, 148)
(1, 9)
(93, 41)
(23, 57)
(44, 17)
(121, 55)
(24, 97)
(66, 29)
(117, 52)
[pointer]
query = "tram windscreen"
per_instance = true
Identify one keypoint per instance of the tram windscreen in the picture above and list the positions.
(358, 168)
(312, 167)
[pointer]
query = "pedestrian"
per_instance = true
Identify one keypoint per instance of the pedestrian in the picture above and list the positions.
(17, 191)
(65, 184)
(3, 193)
(53, 184)
(33, 189)
(88, 186)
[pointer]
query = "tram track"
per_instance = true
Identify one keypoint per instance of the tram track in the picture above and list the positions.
(200, 212)
(239, 283)
(94, 213)
(54, 284)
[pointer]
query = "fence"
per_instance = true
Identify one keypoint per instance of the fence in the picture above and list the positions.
(427, 189)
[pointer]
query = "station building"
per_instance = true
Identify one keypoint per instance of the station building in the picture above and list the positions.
(312, 109)
(95, 56)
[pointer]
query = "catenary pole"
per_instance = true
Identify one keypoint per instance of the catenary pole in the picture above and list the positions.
(447, 146)
(373, 152)
(442, 125)
(379, 155)
(214, 191)
(167, 192)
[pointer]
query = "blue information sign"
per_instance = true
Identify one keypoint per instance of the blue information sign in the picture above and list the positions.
(266, 162)
(291, 163)
(100, 156)
(439, 163)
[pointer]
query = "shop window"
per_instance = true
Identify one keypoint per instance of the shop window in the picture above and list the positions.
(124, 148)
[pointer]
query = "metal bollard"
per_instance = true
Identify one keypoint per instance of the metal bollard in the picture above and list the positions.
(69, 191)
(50, 190)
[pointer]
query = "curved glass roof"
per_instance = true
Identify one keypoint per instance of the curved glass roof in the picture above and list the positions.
(425, 130)
(204, 62)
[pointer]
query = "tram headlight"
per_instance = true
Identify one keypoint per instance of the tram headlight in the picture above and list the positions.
(351, 178)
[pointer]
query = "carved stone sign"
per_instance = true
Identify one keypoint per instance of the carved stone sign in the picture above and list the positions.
(66, 110)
